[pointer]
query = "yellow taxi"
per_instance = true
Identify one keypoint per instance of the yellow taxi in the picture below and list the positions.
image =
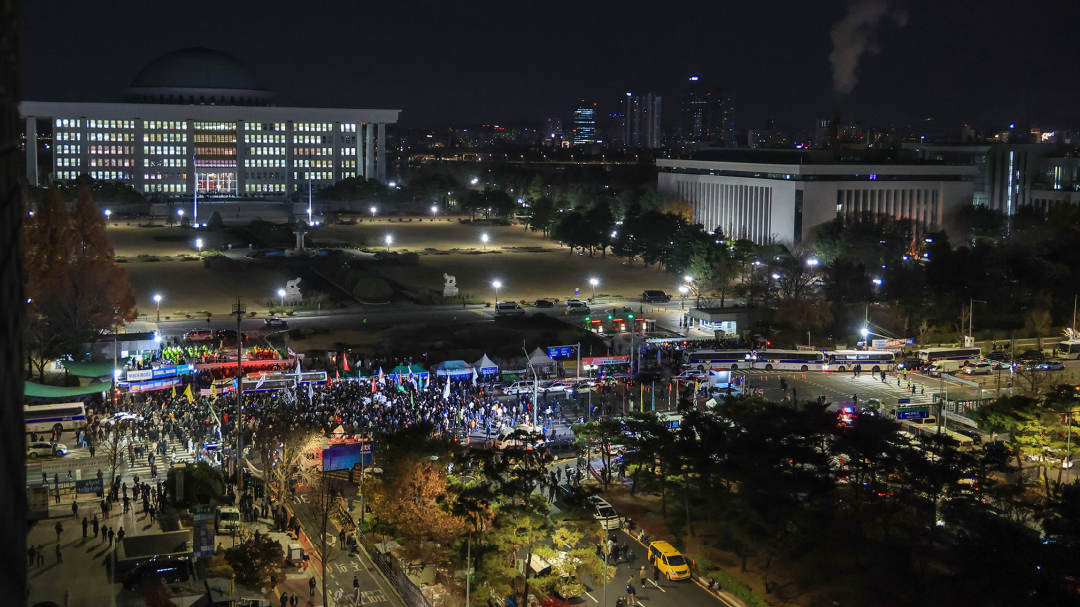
(669, 560)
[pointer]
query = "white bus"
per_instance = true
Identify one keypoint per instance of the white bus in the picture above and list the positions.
(1069, 350)
(964, 356)
(789, 360)
(48, 419)
(716, 360)
(868, 360)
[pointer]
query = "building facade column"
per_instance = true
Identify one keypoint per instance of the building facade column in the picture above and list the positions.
(193, 174)
(369, 151)
(290, 159)
(31, 151)
(241, 157)
(380, 158)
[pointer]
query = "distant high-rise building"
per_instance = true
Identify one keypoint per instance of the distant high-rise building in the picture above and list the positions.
(707, 116)
(642, 121)
(553, 134)
(584, 124)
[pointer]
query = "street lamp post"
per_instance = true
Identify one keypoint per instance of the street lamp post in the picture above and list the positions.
(107, 213)
(484, 239)
(239, 309)
(592, 283)
(281, 294)
(373, 213)
(198, 243)
(389, 239)
(434, 209)
(497, 284)
(683, 289)
(157, 300)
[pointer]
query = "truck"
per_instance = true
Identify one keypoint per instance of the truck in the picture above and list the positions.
(228, 520)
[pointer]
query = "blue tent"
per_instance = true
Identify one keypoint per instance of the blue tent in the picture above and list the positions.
(453, 368)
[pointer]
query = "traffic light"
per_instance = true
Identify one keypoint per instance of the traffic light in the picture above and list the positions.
(631, 316)
(588, 319)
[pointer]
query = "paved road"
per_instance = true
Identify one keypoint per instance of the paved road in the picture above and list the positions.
(342, 566)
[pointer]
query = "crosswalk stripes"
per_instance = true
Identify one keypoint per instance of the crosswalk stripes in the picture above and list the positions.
(141, 467)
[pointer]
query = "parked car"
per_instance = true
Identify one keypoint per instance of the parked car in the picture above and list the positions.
(655, 297)
(999, 356)
(1035, 356)
(169, 569)
(979, 368)
(518, 387)
(276, 323)
(509, 308)
(669, 561)
(997, 446)
(199, 335)
(571, 496)
(604, 513)
(543, 303)
(1051, 365)
(36, 450)
(974, 435)
(576, 306)
(911, 364)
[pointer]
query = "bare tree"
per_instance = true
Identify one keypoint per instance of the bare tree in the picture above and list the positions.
(113, 440)
(1038, 321)
(324, 502)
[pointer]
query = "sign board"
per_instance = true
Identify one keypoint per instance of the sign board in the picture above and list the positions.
(719, 379)
(203, 531)
(90, 485)
(892, 344)
(205, 392)
(912, 413)
(903, 401)
(157, 384)
(61, 466)
(606, 360)
(159, 372)
(37, 500)
(560, 351)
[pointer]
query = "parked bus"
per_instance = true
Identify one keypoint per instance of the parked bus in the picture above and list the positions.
(715, 360)
(868, 360)
(964, 356)
(789, 360)
(1069, 350)
(55, 419)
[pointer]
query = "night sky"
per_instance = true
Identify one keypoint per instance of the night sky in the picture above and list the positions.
(985, 62)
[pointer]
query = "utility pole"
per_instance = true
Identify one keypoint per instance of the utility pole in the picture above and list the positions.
(578, 359)
(536, 386)
(239, 309)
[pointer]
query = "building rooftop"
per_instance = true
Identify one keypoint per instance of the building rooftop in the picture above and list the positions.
(195, 68)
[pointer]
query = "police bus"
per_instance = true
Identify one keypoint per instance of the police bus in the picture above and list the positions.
(716, 360)
(867, 360)
(55, 419)
(964, 356)
(789, 360)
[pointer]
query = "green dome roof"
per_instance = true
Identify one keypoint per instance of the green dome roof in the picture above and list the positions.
(196, 68)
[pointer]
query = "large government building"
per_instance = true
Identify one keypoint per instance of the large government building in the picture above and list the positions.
(196, 121)
(781, 196)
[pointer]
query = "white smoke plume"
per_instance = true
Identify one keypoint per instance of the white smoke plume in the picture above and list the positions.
(853, 36)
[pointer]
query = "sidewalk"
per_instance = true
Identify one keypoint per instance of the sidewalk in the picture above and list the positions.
(82, 570)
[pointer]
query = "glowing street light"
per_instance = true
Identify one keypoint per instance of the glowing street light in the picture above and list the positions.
(684, 290)
(281, 294)
(484, 239)
(107, 213)
(497, 284)
(434, 209)
(877, 281)
(776, 277)
(864, 331)
(592, 283)
(474, 181)
(157, 300)
(198, 243)
(688, 279)
(373, 213)
(812, 262)
(389, 239)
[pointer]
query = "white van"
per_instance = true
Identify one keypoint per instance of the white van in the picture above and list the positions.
(228, 522)
(509, 308)
(943, 366)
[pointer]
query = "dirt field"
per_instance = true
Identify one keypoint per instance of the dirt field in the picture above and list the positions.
(417, 235)
(188, 287)
(528, 265)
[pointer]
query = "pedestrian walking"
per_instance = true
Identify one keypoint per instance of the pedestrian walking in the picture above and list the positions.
(631, 592)
(120, 535)
(294, 600)
(311, 586)
(75, 510)
(59, 555)
(356, 588)
(31, 555)
(95, 525)
(341, 539)
(656, 573)
(284, 599)
(59, 529)
(85, 527)
(41, 555)
(112, 534)
(642, 576)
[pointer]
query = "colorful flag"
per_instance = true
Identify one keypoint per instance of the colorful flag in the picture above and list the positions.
(213, 390)
(174, 391)
(187, 393)
(345, 359)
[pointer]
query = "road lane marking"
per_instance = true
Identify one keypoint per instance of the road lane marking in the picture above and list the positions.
(592, 597)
